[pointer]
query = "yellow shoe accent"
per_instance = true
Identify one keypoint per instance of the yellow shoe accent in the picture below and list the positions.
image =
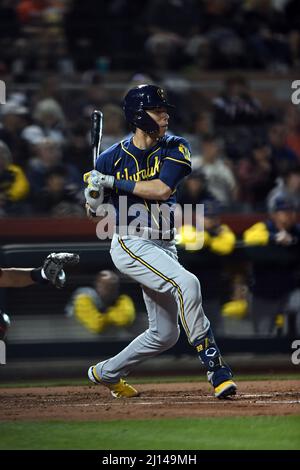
(122, 390)
(225, 389)
(119, 390)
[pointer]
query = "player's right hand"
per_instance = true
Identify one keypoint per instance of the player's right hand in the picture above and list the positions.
(95, 179)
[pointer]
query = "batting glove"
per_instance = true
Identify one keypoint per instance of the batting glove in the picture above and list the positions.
(93, 202)
(97, 180)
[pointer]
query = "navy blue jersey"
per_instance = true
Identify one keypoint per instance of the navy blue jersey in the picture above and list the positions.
(169, 160)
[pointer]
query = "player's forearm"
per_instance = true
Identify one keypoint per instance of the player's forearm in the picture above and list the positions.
(16, 277)
(154, 189)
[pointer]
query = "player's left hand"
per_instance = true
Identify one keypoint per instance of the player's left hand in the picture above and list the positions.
(97, 180)
(92, 202)
(54, 264)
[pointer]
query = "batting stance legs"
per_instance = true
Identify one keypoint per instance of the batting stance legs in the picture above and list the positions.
(169, 291)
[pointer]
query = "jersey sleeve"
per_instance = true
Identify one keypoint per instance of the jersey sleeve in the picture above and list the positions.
(176, 164)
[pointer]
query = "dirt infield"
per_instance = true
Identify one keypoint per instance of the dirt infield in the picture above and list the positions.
(92, 403)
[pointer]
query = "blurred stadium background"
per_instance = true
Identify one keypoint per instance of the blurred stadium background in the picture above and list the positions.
(228, 66)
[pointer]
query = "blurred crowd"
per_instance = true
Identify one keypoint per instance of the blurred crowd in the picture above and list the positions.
(69, 35)
(55, 59)
(244, 153)
(264, 283)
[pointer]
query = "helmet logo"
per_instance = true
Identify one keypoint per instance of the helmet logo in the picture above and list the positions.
(161, 93)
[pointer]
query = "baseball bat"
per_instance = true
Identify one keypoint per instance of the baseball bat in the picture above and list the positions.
(96, 137)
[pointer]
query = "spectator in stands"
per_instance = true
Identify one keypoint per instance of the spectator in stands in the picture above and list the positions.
(102, 306)
(50, 88)
(236, 106)
(49, 123)
(114, 125)
(203, 123)
(283, 156)
(14, 120)
(48, 155)
(220, 178)
(57, 196)
(256, 176)
(236, 301)
(200, 126)
(14, 186)
(288, 186)
(194, 189)
(274, 284)
(218, 237)
(237, 116)
(95, 96)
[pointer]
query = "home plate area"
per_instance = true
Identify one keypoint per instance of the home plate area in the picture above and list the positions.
(162, 400)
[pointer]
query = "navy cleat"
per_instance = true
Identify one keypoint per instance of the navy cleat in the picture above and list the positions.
(218, 372)
(221, 380)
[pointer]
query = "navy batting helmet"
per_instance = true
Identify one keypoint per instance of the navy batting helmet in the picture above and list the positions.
(138, 100)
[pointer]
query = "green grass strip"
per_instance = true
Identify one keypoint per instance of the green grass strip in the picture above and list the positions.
(244, 433)
(145, 380)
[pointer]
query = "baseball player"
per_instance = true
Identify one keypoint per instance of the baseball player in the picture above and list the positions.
(147, 169)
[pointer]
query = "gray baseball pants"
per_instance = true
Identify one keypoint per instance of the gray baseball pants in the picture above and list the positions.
(169, 291)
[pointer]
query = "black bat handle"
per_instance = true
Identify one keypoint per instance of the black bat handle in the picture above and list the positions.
(95, 128)
(95, 137)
